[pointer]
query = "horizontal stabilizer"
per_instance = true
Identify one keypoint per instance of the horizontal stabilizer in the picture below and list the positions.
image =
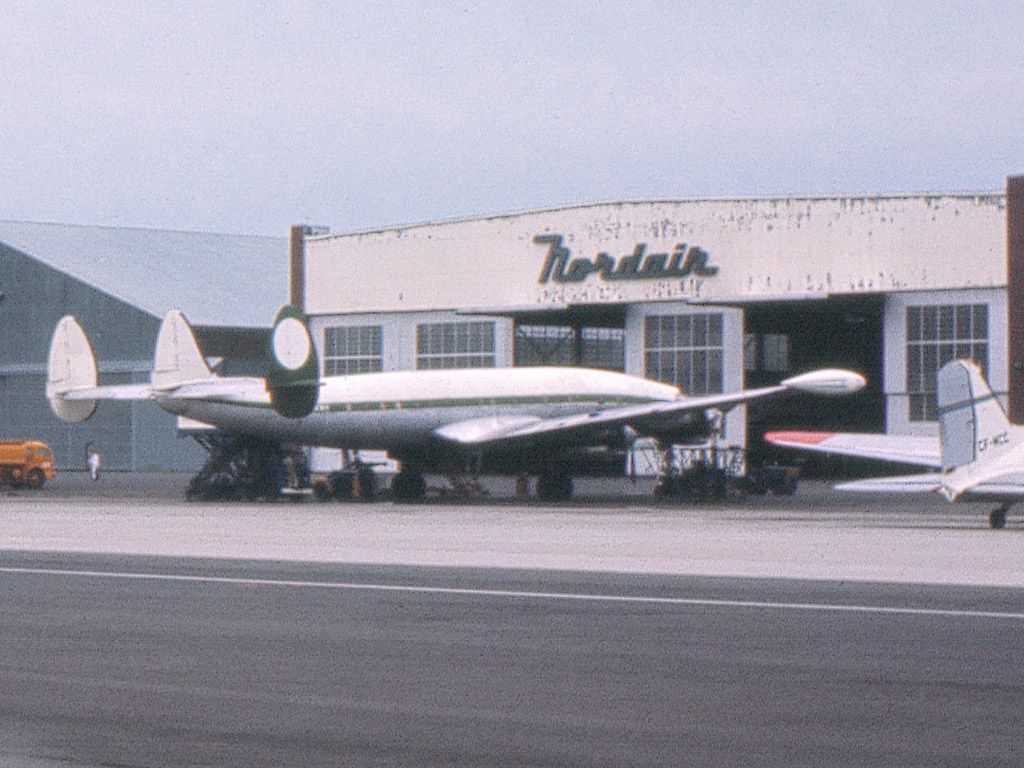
(246, 390)
(140, 391)
(1005, 488)
(926, 483)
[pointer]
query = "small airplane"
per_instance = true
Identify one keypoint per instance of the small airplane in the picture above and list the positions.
(978, 452)
(539, 421)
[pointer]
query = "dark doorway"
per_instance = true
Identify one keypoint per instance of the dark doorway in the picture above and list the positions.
(783, 339)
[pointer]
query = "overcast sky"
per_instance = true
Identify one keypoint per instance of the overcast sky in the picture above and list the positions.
(247, 117)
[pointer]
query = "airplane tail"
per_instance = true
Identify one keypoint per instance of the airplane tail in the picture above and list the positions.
(71, 372)
(293, 374)
(177, 358)
(972, 422)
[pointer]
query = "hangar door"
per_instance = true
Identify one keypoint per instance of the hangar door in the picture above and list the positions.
(782, 339)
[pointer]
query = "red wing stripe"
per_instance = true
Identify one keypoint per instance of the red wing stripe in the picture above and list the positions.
(801, 438)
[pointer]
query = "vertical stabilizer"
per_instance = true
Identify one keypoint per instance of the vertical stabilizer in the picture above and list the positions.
(71, 366)
(293, 374)
(177, 358)
(973, 425)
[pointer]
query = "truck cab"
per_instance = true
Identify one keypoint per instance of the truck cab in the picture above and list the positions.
(25, 463)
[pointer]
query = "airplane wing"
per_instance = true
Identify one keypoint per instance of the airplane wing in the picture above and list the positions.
(903, 449)
(649, 418)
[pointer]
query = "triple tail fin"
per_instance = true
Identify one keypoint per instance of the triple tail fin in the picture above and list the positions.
(71, 372)
(972, 422)
(293, 374)
(177, 358)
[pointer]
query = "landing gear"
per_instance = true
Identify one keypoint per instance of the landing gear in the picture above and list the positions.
(554, 485)
(701, 483)
(356, 482)
(997, 519)
(337, 485)
(239, 469)
(408, 485)
(365, 487)
(702, 473)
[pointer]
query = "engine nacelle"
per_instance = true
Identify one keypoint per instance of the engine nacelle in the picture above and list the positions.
(828, 381)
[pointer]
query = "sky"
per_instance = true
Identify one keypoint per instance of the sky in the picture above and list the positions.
(249, 117)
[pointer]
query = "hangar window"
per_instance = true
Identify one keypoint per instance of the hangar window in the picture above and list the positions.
(565, 345)
(936, 335)
(455, 345)
(545, 345)
(603, 348)
(685, 350)
(352, 349)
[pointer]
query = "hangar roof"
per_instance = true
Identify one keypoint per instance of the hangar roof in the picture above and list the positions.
(226, 280)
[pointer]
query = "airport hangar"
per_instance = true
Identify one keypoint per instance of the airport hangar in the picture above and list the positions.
(119, 283)
(708, 294)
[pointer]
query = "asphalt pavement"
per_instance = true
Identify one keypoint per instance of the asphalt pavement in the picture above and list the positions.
(127, 661)
(823, 629)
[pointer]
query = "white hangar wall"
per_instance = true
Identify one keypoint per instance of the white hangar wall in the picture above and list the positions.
(387, 290)
(755, 248)
(988, 344)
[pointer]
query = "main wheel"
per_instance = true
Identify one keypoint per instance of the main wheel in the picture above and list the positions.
(997, 519)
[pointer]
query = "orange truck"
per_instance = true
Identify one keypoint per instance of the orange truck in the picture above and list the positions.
(25, 462)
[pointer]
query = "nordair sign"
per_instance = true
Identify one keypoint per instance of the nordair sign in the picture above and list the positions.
(560, 267)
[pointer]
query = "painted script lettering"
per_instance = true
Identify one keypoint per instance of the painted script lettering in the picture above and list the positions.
(560, 267)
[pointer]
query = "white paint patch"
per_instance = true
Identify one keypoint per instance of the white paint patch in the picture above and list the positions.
(291, 343)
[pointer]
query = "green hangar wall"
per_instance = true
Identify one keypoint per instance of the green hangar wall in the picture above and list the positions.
(119, 283)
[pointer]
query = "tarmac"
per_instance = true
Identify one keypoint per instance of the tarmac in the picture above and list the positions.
(612, 526)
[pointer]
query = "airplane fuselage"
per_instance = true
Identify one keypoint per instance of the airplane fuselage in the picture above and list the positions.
(399, 411)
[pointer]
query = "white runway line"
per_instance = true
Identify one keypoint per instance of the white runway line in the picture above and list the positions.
(521, 594)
